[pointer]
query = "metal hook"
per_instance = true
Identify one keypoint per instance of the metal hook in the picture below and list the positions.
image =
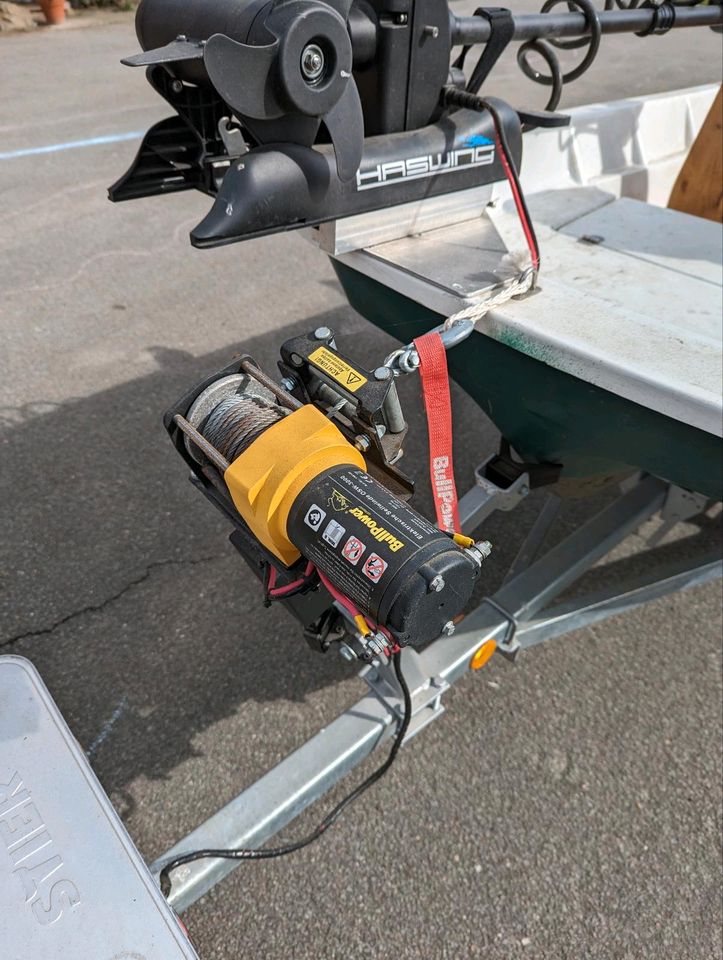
(406, 359)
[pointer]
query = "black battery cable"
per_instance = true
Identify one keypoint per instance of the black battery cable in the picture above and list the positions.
(268, 853)
(452, 96)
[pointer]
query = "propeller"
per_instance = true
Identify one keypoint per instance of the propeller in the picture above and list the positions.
(295, 63)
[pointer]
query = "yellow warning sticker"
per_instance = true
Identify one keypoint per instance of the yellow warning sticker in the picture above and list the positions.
(338, 369)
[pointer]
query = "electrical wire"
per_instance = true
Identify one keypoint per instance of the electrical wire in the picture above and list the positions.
(452, 96)
(364, 624)
(345, 602)
(288, 590)
(357, 616)
(406, 359)
(275, 593)
(329, 820)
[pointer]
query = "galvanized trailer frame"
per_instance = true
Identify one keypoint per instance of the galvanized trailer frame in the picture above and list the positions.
(519, 615)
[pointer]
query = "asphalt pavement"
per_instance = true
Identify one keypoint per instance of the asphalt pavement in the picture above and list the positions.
(568, 806)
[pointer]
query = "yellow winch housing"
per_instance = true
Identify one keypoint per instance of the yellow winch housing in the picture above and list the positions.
(267, 477)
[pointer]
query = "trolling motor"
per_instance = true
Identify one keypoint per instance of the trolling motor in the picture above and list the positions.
(257, 84)
(310, 482)
(290, 113)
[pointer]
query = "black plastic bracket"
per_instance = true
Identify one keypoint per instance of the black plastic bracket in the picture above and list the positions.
(503, 470)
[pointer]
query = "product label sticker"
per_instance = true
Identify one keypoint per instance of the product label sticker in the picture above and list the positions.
(353, 549)
(337, 369)
(374, 567)
(333, 533)
(314, 516)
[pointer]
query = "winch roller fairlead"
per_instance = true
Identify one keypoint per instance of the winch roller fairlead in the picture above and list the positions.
(351, 559)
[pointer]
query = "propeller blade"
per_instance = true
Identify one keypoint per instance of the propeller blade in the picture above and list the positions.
(240, 74)
(172, 52)
(345, 123)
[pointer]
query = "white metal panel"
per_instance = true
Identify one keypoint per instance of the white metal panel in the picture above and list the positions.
(405, 219)
(72, 885)
(631, 317)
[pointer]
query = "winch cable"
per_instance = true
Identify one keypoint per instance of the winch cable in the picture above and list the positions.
(329, 820)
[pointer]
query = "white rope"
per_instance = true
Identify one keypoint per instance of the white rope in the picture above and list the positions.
(476, 311)
(460, 325)
(406, 359)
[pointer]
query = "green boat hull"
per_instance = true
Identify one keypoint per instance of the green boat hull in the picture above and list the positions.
(548, 415)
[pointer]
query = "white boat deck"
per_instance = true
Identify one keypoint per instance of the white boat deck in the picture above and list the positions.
(638, 314)
(636, 308)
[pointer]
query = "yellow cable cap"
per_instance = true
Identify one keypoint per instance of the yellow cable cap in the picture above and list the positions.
(462, 541)
(483, 654)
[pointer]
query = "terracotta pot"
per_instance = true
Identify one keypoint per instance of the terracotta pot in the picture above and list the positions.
(54, 10)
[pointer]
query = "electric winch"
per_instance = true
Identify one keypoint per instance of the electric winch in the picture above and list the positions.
(307, 472)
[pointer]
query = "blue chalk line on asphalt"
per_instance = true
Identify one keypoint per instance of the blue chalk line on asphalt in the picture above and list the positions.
(72, 145)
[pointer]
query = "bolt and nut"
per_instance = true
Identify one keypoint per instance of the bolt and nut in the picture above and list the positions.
(312, 62)
(377, 643)
(346, 653)
(288, 383)
(362, 443)
(448, 629)
(480, 551)
(437, 584)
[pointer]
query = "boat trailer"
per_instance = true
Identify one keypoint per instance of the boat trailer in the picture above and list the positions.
(347, 120)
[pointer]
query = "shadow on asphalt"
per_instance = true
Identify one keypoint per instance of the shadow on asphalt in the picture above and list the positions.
(123, 589)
